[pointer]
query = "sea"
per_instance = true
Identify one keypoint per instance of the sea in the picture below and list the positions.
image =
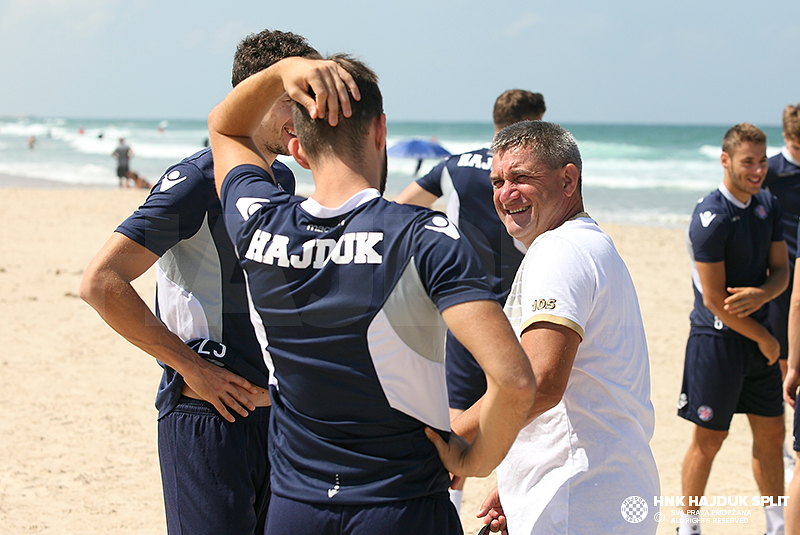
(649, 175)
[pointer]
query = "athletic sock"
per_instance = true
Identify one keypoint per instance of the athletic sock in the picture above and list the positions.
(455, 497)
(690, 525)
(775, 525)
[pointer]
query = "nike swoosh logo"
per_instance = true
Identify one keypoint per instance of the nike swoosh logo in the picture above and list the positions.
(171, 179)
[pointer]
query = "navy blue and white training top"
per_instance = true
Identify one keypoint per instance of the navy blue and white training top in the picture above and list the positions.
(200, 287)
(783, 181)
(464, 180)
(722, 228)
(349, 300)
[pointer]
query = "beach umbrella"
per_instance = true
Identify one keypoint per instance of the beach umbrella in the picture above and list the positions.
(418, 149)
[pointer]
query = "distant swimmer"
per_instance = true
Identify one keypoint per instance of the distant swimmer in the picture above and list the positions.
(31, 142)
(123, 154)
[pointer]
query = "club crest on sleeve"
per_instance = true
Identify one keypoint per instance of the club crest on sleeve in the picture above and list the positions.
(247, 206)
(444, 226)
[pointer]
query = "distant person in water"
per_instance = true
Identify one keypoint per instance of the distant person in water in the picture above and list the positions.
(123, 154)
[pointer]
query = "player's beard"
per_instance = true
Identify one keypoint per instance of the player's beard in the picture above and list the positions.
(275, 148)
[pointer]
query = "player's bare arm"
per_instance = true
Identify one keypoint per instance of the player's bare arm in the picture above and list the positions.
(484, 330)
(106, 286)
(712, 279)
(416, 195)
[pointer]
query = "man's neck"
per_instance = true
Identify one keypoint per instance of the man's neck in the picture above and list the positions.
(335, 183)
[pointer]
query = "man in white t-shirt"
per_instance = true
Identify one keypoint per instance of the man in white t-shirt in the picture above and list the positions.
(583, 463)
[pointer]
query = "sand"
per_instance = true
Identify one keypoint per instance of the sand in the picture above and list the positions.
(78, 447)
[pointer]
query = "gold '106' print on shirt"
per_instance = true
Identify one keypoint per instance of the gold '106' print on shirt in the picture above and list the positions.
(544, 304)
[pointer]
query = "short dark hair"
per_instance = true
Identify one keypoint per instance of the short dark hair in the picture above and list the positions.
(258, 51)
(318, 138)
(549, 143)
(791, 122)
(742, 133)
(517, 105)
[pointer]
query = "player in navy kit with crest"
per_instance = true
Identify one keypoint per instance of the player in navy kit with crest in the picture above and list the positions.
(214, 469)
(783, 181)
(355, 294)
(739, 264)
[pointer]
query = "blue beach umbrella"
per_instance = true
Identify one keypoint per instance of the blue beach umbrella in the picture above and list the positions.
(419, 149)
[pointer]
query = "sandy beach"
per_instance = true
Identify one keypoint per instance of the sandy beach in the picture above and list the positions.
(78, 453)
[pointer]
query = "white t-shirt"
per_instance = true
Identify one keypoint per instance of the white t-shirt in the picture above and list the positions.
(571, 469)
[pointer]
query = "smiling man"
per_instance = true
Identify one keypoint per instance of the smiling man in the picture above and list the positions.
(585, 449)
(739, 264)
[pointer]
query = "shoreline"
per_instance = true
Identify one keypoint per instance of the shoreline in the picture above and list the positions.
(80, 449)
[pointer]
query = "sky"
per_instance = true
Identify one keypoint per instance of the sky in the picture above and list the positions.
(676, 62)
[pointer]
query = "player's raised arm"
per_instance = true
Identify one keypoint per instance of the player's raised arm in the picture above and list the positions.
(321, 86)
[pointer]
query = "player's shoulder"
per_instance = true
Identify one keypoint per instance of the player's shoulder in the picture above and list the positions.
(193, 171)
(480, 159)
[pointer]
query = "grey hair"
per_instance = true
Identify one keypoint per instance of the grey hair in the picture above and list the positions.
(552, 145)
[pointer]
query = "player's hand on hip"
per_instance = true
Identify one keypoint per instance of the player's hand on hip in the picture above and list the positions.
(453, 453)
(223, 389)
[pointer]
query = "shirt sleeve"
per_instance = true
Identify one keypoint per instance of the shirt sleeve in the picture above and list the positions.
(248, 195)
(560, 285)
(432, 182)
(777, 221)
(708, 234)
(174, 210)
(447, 263)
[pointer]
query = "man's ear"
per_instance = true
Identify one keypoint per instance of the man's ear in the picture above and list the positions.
(725, 159)
(380, 131)
(296, 150)
(570, 176)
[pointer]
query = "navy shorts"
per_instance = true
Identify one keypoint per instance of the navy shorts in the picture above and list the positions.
(431, 515)
(727, 375)
(466, 382)
(215, 474)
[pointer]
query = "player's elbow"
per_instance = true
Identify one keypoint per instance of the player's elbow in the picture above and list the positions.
(92, 288)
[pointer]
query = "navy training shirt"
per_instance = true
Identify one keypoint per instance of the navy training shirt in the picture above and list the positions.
(783, 181)
(350, 302)
(200, 287)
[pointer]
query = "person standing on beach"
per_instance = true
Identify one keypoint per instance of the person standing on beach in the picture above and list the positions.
(783, 181)
(214, 469)
(585, 450)
(739, 264)
(123, 154)
(465, 180)
(790, 385)
(355, 294)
